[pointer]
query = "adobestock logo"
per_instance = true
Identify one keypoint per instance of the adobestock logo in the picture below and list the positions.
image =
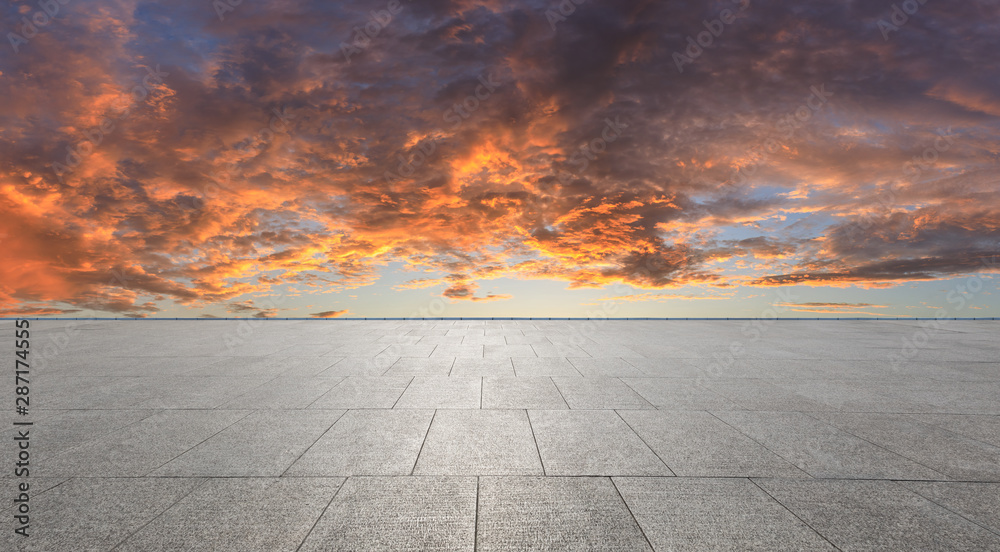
(589, 151)
(899, 16)
(706, 38)
(363, 36)
(561, 11)
(460, 111)
(930, 155)
(222, 7)
(31, 27)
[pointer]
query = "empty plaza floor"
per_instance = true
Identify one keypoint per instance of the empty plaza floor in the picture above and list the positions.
(462, 435)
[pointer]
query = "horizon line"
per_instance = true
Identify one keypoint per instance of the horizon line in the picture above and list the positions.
(454, 318)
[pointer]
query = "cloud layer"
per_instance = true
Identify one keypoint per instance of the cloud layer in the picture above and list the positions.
(156, 154)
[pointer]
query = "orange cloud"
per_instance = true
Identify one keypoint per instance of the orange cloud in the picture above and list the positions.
(330, 314)
(257, 165)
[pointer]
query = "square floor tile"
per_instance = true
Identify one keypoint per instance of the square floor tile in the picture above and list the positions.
(823, 450)
(693, 443)
(479, 442)
(239, 514)
(591, 442)
(421, 367)
(264, 443)
(554, 513)
(679, 513)
(544, 367)
(605, 368)
(142, 447)
(398, 514)
(442, 392)
(599, 393)
(363, 392)
(482, 367)
(516, 392)
(976, 502)
(93, 513)
(877, 515)
(367, 442)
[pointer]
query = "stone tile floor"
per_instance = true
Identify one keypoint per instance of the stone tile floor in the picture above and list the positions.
(510, 435)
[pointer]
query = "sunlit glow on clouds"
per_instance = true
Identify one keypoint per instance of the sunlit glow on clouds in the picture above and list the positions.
(483, 159)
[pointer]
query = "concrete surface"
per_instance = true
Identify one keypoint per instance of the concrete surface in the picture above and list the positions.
(509, 435)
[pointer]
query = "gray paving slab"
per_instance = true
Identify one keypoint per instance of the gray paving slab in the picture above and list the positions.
(605, 367)
(506, 329)
(135, 366)
(697, 444)
(544, 348)
(360, 349)
(195, 392)
(65, 430)
(609, 350)
(956, 456)
(88, 393)
(404, 350)
(877, 515)
(591, 442)
(508, 351)
(360, 366)
(981, 428)
(823, 450)
(479, 442)
(906, 453)
(492, 340)
(265, 443)
(761, 394)
(306, 350)
(521, 339)
(363, 392)
(36, 486)
(967, 371)
(534, 393)
(434, 339)
(668, 367)
(238, 514)
(554, 513)
(94, 513)
(456, 351)
(140, 448)
(680, 513)
(598, 393)
(8, 416)
(680, 394)
(403, 339)
(367, 442)
(855, 395)
(483, 367)
(976, 502)
(442, 392)
(953, 397)
(248, 346)
(408, 366)
(544, 367)
(265, 366)
(421, 333)
(398, 514)
(283, 392)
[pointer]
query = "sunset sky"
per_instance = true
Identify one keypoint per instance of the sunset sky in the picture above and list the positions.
(357, 158)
